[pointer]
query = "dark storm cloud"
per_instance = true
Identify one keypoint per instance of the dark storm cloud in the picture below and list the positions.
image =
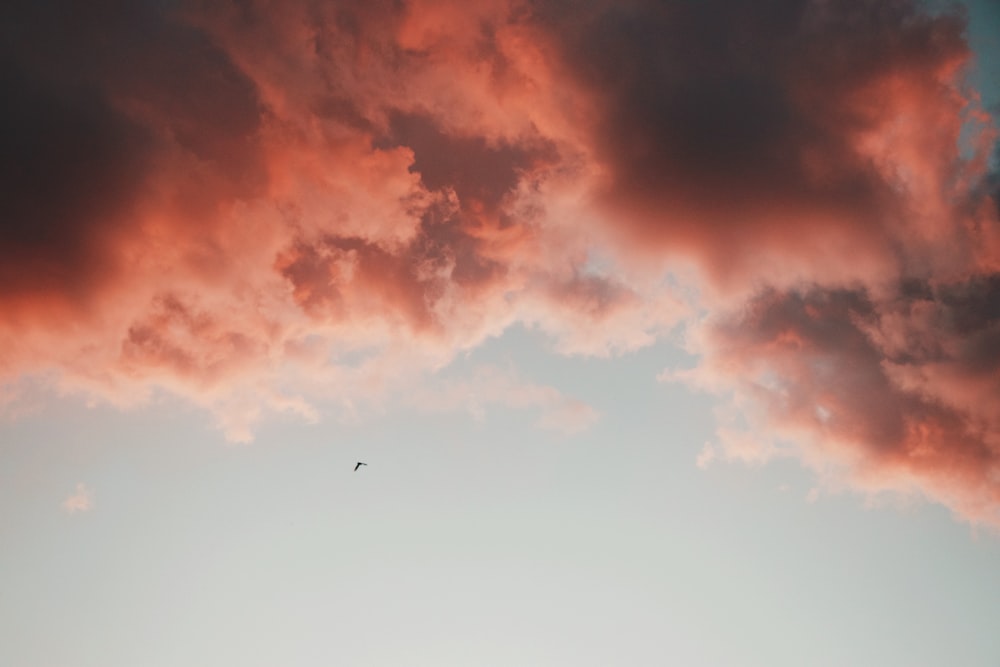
(736, 130)
(97, 95)
(69, 166)
(474, 169)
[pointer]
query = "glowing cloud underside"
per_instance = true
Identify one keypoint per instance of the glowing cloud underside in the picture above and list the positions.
(264, 208)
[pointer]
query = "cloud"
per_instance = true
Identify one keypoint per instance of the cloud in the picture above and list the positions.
(491, 385)
(318, 208)
(824, 168)
(771, 141)
(250, 210)
(81, 501)
(896, 392)
(706, 456)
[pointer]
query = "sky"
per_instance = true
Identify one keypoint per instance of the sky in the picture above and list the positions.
(669, 332)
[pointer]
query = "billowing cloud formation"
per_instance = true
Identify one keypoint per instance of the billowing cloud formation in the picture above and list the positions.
(899, 391)
(259, 208)
(264, 208)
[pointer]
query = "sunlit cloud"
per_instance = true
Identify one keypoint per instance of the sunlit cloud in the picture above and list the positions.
(314, 209)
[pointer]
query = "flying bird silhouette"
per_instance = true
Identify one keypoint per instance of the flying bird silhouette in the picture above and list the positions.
(359, 464)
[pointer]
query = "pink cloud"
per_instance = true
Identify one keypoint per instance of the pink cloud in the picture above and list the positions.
(895, 394)
(706, 456)
(490, 385)
(308, 210)
(80, 501)
(808, 165)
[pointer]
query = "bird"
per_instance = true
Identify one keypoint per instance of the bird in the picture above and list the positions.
(358, 465)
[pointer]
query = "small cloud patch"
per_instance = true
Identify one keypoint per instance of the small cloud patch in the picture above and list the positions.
(80, 501)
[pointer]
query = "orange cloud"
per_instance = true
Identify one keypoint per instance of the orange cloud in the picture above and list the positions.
(895, 393)
(306, 210)
(824, 169)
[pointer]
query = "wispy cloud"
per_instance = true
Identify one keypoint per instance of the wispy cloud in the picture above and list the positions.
(706, 456)
(490, 386)
(82, 500)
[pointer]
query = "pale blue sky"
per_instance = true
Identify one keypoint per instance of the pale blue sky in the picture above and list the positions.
(467, 543)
